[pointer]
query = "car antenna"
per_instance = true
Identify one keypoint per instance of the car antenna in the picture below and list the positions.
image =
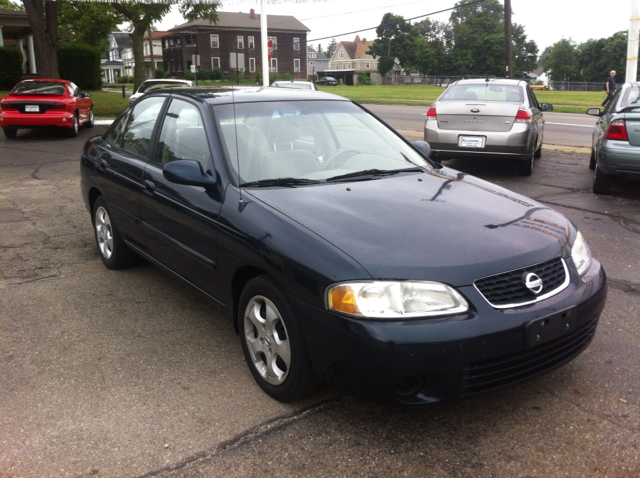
(241, 203)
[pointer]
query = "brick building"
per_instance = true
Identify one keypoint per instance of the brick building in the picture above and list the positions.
(234, 42)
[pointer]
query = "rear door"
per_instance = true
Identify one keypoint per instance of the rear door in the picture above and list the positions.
(121, 162)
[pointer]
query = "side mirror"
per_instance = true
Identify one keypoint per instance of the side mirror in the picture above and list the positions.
(187, 171)
(423, 147)
(594, 112)
(86, 95)
(546, 107)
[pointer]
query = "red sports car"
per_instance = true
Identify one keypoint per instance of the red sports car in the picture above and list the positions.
(41, 103)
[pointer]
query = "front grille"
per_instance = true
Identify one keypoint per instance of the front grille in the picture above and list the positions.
(510, 369)
(508, 289)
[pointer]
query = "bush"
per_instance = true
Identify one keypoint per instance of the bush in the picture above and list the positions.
(273, 77)
(204, 74)
(159, 73)
(216, 74)
(189, 76)
(287, 76)
(10, 66)
(258, 77)
(364, 79)
(122, 79)
(81, 64)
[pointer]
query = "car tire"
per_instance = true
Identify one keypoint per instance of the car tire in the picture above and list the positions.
(10, 132)
(73, 131)
(113, 251)
(592, 159)
(525, 167)
(272, 342)
(91, 121)
(538, 153)
(601, 181)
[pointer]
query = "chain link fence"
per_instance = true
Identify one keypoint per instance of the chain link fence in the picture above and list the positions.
(446, 80)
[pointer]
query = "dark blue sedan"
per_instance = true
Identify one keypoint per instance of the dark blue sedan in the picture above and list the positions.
(342, 253)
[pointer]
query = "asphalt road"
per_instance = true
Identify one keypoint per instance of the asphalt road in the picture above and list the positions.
(561, 129)
(131, 373)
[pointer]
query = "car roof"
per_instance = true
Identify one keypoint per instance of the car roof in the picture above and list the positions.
(246, 94)
(492, 81)
(167, 80)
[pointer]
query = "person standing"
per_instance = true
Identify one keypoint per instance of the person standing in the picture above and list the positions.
(610, 86)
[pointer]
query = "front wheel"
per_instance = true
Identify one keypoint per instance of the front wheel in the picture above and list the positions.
(272, 342)
(113, 251)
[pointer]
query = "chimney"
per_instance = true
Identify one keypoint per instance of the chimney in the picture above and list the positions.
(252, 13)
(364, 40)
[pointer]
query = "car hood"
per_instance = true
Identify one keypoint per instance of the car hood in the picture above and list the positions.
(441, 225)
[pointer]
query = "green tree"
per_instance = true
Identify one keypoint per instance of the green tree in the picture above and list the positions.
(330, 49)
(431, 48)
(396, 38)
(89, 23)
(525, 52)
(9, 5)
(561, 61)
(142, 15)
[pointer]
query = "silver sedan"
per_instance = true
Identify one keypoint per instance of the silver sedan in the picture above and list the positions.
(491, 118)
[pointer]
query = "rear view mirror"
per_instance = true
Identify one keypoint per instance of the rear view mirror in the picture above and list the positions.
(186, 171)
(546, 107)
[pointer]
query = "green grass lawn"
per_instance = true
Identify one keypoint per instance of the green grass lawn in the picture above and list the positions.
(110, 104)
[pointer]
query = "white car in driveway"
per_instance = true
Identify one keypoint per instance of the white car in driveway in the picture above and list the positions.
(147, 85)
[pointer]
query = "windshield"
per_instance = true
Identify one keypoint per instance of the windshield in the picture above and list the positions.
(39, 88)
(299, 86)
(484, 91)
(310, 141)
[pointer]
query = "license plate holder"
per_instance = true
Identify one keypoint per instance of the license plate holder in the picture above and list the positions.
(550, 327)
(32, 109)
(471, 142)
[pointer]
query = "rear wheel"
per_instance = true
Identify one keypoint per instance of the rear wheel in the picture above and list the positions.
(601, 182)
(113, 251)
(272, 342)
(10, 132)
(73, 131)
(525, 167)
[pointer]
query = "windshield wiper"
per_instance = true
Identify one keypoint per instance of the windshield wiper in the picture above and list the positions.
(263, 183)
(371, 173)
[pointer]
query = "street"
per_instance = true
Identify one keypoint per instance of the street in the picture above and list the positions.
(132, 373)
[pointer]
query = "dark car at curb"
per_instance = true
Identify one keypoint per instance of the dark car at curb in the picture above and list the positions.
(615, 148)
(327, 81)
(342, 253)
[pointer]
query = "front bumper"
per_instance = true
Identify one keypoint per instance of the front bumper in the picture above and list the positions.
(60, 119)
(427, 361)
(619, 158)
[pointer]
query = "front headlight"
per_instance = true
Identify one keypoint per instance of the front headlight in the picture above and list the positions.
(395, 300)
(581, 254)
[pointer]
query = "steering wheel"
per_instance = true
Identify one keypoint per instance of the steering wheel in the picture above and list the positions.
(332, 161)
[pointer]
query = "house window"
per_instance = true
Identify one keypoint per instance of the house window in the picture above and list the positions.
(240, 42)
(251, 42)
(215, 62)
(341, 55)
(296, 44)
(215, 41)
(252, 64)
(274, 65)
(312, 55)
(179, 66)
(275, 42)
(368, 65)
(296, 65)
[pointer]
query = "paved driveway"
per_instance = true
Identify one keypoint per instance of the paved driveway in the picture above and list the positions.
(131, 373)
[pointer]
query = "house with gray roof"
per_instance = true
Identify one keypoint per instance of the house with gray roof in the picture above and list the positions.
(234, 42)
(318, 62)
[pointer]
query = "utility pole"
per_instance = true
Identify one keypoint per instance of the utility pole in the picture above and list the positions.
(507, 39)
(632, 42)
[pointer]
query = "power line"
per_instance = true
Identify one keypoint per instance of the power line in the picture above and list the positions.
(406, 19)
(361, 10)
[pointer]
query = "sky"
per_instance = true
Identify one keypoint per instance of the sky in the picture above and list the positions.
(544, 21)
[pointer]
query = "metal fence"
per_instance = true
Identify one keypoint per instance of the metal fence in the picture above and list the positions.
(445, 81)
